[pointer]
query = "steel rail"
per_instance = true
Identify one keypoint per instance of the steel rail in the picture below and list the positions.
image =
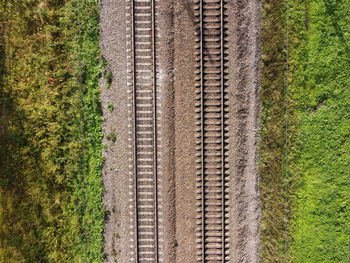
(155, 144)
(222, 130)
(135, 131)
(202, 126)
(203, 53)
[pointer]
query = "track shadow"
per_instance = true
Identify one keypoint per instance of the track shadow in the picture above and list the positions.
(188, 7)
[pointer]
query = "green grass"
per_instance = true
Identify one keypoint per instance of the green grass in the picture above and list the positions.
(320, 84)
(50, 183)
(305, 175)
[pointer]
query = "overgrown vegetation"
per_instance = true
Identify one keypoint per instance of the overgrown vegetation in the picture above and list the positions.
(306, 132)
(50, 137)
(274, 184)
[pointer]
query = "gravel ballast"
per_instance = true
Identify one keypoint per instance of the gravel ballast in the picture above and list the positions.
(177, 66)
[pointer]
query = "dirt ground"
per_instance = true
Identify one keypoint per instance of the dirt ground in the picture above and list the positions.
(176, 57)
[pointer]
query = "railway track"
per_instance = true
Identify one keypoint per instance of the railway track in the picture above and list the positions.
(145, 169)
(212, 180)
(144, 131)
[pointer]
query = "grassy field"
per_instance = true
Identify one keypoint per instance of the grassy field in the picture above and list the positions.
(320, 84)
(305, 157)
(50, 138)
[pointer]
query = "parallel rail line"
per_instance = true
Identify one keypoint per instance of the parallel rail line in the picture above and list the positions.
(212, 180)
(142, 81)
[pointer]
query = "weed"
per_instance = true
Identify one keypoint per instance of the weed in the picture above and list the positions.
(112, 137)
(108, 77)
(110, 107)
